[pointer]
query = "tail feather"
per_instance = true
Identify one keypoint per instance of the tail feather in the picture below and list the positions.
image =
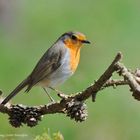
(15, 91)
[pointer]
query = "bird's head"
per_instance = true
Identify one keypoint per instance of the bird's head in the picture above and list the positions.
(74, 39)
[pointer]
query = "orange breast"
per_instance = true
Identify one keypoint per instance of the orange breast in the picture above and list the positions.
(74, 58)
(74, 53)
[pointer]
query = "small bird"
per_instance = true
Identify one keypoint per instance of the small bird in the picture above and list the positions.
(57, 64)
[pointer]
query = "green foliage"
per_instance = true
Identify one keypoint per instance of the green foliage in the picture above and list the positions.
(47, 136)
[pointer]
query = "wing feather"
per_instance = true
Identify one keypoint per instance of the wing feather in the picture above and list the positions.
(49, 63)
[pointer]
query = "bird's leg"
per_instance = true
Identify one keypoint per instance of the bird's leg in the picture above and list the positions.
(48, 94)
(59, 93)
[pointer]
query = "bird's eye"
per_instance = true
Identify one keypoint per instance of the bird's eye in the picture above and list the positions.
(73, 37)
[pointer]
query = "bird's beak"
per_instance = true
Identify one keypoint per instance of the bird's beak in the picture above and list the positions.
(86, 41)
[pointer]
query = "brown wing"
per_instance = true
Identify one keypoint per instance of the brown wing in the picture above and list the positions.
(49, 62)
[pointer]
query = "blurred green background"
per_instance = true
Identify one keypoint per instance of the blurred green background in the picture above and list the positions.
(27, 30)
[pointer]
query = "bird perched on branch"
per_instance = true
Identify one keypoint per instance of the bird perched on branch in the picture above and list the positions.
(57, 64)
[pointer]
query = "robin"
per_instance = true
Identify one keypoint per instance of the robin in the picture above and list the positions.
(57, 64)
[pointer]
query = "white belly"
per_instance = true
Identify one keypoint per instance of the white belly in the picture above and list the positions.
(60, 75)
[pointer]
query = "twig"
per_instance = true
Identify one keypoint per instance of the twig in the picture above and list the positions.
(114, 83)
(131, 78)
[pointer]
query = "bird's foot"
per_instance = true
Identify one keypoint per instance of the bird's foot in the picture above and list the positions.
(60, 93)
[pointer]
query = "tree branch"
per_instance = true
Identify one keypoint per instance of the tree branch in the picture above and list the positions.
(73, 106)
